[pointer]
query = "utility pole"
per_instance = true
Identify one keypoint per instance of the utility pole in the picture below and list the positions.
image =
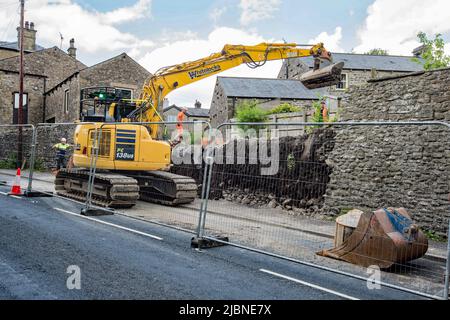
(21, 71)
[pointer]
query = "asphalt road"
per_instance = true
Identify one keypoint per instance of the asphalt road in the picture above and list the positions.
(123, 258)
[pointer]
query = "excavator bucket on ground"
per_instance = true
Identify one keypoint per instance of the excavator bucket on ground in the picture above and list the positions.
(322, 77)
(383, 238)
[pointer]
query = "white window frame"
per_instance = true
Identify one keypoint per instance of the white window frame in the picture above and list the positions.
(66, 101)
(16, 96)
(345, 87)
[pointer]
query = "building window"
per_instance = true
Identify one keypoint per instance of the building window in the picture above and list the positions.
(123, 93)
(66, 101)
(171, 118)
(343, 84)
(24, 108)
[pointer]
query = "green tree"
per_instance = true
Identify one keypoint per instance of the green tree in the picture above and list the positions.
(249, 111)
(433, 54)
(377, 52)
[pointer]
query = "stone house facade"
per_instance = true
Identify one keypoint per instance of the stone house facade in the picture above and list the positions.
(358, 68)
(53, 80)
(43, 69)
(229, 92)
(120, 72)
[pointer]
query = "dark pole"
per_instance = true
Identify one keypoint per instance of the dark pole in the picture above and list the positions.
(21, 69)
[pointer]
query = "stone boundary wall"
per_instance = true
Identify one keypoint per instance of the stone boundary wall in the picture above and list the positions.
(374, 167)
(46, 138)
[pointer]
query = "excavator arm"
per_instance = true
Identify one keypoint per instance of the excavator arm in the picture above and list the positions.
(173, 77)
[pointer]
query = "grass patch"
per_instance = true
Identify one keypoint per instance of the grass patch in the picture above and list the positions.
(431, 235)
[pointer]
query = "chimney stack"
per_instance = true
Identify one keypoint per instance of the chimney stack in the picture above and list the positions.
(29, 36)
(72, 51)
(198, 104)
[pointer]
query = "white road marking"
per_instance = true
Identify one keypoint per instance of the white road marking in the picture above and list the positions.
(4, 193)
(309, 284)
(111, 224)
(13, 196)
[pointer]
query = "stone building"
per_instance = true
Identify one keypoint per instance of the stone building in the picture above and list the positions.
(120, 72)
(43, 69)
(11, 49)
(229, 92)
(192, 114)
(53, 80)
(196, 113)
(358, 68)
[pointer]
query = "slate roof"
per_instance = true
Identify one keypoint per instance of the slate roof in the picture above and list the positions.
(267, 88)
(15, 46)
(191, 112)
(367, 62)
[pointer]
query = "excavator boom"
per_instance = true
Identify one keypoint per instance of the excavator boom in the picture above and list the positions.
(132, 160)
(170, 78)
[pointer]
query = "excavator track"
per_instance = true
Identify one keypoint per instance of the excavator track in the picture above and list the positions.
(165, 188)
(110, 189)
(123, 189)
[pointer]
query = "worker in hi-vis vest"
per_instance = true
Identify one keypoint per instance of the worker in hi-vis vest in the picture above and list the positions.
(61, 149)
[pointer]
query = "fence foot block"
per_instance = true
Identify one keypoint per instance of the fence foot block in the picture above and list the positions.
(202, 243)
(95, 212)
(35, 194)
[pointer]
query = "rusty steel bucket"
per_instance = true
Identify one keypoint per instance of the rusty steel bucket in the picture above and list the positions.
(382, 238)
(322, 77)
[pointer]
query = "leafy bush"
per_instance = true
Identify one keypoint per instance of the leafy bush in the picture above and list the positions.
(284, 108)
(249, 111)
(317, 116)
(9, 163)
(39, 165)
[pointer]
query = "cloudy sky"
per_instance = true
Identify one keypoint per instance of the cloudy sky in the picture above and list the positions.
(159, 32)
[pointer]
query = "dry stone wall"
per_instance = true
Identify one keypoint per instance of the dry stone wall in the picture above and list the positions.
(401, 166)
(46, 138)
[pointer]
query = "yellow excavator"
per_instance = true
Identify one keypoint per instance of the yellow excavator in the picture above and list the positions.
(132, 161)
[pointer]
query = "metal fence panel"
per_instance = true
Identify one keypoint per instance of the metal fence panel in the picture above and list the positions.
(186, 156)
(283, 195)
(16, 151)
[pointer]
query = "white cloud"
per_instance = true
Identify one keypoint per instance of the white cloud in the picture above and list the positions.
(351, 13)
(255, 10)
(332, 42)
(393, 25)
(93, 31)
(140, 9)
(217, 13)
(188, 50)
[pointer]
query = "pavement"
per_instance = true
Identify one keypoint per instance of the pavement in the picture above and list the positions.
(43, 239)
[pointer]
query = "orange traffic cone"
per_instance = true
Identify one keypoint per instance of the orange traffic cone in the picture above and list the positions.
(15, 189)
